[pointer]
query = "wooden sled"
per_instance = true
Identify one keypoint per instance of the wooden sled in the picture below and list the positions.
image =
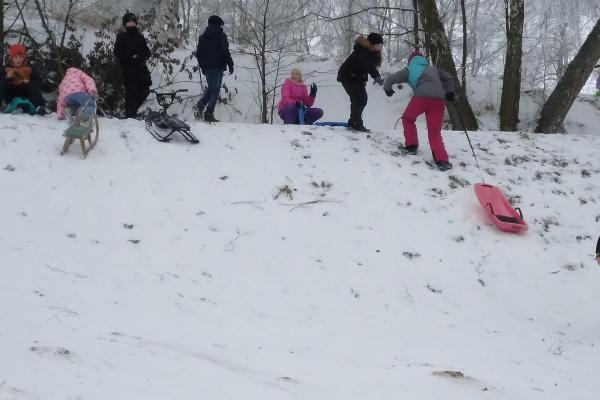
(86, 133)
(502, 214)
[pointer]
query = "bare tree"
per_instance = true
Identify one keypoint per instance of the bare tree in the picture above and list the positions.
(511, 87)
(463, 65)
(554, 111)
(441, 54)
(269, 24)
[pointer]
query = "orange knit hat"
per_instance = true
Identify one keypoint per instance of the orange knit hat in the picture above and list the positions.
(16, 50)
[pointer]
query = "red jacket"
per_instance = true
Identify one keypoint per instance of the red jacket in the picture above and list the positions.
(293, 92)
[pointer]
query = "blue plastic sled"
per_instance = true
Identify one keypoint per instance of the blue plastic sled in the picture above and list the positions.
(332, 123)
(20, 103)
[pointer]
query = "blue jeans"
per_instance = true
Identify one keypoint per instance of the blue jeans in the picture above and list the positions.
(82, 100)
(214, 78)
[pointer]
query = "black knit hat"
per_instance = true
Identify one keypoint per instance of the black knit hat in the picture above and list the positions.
(375, 38)
(128, 17)
(215, 20)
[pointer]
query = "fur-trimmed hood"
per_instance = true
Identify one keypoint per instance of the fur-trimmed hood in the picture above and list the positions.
(362, 41)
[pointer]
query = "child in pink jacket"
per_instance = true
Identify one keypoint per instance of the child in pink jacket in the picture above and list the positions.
(293, 94)
(77, 90)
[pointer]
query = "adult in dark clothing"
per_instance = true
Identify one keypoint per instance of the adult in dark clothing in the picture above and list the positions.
(353, 74)
(20, 79)
(213, 57)
(132, 52)
(598, 251)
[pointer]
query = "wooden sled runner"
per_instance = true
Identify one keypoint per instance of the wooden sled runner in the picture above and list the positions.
(502, 214)
(85, 131)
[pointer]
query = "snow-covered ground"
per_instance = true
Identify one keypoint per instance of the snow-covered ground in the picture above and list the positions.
(273, 262)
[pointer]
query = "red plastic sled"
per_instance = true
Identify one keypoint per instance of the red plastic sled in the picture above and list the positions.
(504, 216)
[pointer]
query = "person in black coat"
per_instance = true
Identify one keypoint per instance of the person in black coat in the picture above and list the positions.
(213, 57)
(132, 52)
(353, 74)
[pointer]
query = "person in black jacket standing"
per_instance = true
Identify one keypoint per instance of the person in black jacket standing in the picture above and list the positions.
(132, 52)
(364, 60)
(213, 57)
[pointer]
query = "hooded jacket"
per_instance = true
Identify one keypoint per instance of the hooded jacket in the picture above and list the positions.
(425, 80)
(293, 92)
(75, 81)
(212, 50)
(363, 61)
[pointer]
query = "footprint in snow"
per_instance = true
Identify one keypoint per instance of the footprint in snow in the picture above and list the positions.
(52, 351)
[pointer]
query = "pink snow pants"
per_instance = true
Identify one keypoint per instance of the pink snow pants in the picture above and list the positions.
(434, 114)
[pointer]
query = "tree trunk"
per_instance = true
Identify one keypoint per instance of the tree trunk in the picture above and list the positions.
(559, 103)
(2, 30)
(441, 55)
(416, 22)
(263, 61)
(511, 86)
(463, 65)
(350, 34)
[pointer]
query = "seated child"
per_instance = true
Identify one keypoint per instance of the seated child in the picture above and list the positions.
(294, 93)
(19, 79)
(76, 91)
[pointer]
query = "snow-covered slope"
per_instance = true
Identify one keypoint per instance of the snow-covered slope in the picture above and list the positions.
(275, 262)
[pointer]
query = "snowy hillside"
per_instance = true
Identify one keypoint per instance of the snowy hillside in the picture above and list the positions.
(273, 262)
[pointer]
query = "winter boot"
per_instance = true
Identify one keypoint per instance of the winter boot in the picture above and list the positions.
(41, 110)
(443, 165)
(199, 110)
(357, 126)
(209, 117)
(410, 149)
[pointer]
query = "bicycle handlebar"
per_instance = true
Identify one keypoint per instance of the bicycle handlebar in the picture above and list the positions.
(173, 93)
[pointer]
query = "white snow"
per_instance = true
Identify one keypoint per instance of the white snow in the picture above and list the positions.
(390, 277)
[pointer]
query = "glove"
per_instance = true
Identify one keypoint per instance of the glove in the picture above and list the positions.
(450, 96)
(389, 92)
(378, 81)
(313, 90)
(231, 70)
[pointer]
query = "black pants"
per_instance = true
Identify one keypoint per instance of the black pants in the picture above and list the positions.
(358, 100)
(29, 91)
(137, 88)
